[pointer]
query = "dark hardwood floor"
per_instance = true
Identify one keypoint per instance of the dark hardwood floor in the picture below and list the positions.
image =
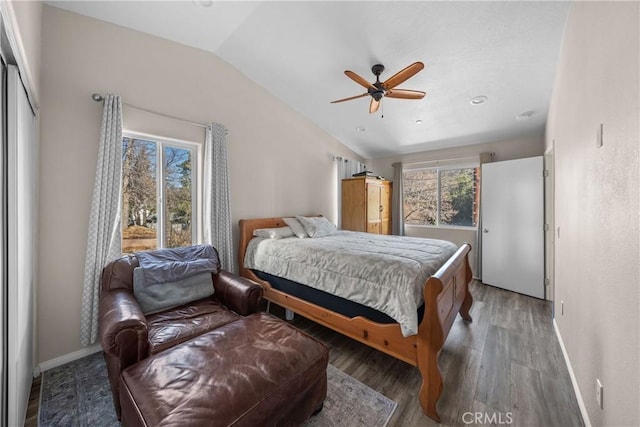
(506, 364)
(505, 367)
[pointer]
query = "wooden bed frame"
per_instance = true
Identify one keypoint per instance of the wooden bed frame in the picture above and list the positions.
(445, 294)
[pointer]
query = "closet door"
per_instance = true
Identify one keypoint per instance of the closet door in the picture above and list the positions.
(513, 225)
(21, 161)
(3, 246)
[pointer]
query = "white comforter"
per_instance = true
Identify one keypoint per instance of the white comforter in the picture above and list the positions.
(387, 273)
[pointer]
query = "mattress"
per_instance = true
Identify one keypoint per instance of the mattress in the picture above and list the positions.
(385, 273)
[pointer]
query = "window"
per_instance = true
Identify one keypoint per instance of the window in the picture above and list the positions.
(158, 193)
(441, 196)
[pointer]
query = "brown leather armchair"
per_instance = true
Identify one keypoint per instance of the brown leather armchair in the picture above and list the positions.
(127, 335)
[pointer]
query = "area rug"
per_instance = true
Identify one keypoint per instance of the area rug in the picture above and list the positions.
(78, 395)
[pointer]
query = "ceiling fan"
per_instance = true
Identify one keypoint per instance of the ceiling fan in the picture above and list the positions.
(378, 89)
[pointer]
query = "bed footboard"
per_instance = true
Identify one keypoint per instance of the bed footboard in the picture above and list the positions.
(446, 293)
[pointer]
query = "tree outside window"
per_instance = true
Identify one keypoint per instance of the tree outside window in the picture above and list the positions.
(157, 195)
(440, 197)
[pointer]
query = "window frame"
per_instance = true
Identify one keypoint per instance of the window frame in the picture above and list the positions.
(196, 155)
(440, 167)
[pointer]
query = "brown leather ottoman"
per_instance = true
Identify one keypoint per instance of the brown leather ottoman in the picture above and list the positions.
(255, 371)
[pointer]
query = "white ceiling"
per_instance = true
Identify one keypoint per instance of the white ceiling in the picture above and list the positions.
(298, 51)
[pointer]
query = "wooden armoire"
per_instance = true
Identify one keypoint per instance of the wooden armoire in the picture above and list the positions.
(366, 205)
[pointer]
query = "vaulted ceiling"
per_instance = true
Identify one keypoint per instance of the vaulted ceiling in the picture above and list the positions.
(504, 51)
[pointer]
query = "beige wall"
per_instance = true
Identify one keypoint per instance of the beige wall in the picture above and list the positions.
(280, 163)
(515, 148)
(597, 205)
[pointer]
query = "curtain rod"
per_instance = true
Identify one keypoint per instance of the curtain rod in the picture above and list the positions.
(99, 98)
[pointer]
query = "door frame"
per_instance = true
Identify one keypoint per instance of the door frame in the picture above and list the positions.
(13, 54)
(4, 245)
(549, 221)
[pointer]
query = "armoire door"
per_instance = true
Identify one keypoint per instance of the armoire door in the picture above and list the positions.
(513, 225)
(373, 208)
(385, 210)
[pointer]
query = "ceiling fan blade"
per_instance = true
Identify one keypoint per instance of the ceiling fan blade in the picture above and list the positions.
(373, 107)
(350, 98)
(405, 94)
(403, 75)
(360, 80)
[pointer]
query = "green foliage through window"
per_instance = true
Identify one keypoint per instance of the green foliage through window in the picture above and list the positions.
(441, 196)
(178, 197)
(151, 169)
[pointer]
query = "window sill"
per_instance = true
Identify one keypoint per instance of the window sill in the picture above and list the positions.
(443, 227)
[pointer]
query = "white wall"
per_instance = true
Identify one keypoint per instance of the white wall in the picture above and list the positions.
(597, 210)
(515, 148)
(280, 163)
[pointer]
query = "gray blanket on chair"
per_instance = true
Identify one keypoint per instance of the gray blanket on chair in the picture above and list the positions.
(171, 265)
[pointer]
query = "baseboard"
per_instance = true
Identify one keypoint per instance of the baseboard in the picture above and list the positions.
(61, 360)
(574, 382)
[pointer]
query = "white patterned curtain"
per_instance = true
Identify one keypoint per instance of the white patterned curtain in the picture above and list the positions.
(345, 169)
(217, 210)
(484, 158)
(104, 240)
(397, 214)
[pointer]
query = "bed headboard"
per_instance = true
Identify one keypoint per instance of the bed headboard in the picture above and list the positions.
(246, 233)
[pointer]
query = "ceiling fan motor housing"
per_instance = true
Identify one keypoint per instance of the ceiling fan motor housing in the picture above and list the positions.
(379, 93)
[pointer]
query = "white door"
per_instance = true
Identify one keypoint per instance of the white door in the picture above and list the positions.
(513, 225)
(21, 247)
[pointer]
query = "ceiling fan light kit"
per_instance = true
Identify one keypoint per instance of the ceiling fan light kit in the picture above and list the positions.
(378, 90)
(477, 100)
(525, 116)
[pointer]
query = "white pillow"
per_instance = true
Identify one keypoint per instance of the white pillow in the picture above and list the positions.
(317, 226)
(296, 227)
(274, 233)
